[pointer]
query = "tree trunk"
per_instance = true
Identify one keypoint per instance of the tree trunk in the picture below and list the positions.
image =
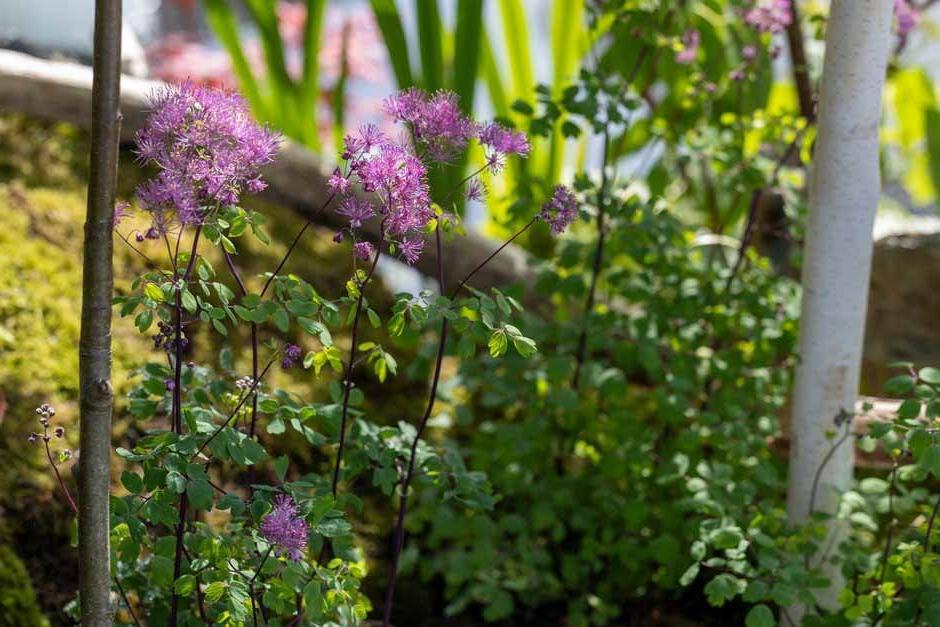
(843, 196)
(96, 396)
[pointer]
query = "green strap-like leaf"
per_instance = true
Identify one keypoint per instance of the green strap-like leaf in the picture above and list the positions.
(389, 21)
(430, 39)
(222, 21)
(467, 35)
(264, 14)
(516, 36)
(310, 81)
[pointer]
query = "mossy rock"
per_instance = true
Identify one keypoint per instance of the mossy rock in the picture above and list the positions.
(18, 603)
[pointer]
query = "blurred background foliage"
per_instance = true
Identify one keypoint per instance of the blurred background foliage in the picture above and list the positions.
(594, 515)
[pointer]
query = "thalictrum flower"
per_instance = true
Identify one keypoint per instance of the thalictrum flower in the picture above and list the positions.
(208, 149)
(769, 16)
(561, 210)
(285, 528)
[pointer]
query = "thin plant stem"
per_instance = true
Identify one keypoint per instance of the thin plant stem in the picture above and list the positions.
(254, 344)
(933, 518)
(293, 245)
(251, 586)
(595, 270)
(127, 603)
(178, 342)
(350, 365)
(398, 535)
(483, 263)
(178, 416)
(58, 476)
(238, 406)
(178, 558)
(890, 534)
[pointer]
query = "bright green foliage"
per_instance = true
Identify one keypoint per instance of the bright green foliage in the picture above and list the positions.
(684, 370)
(888, 558)
(289, 103)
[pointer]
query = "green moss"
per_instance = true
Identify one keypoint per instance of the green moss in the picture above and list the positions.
(18, 604)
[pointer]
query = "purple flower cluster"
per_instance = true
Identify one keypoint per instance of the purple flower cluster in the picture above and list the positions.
(392, 172)
(561, 210)
(770, 16)
(363, 251)
(285, 528)
(499, 141)
(395, 171)
(208, 150)
(292, 354)
(691, 40)
(907, 17)
(435, 120)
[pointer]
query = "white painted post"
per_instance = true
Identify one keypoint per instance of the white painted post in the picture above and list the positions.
(843, 195)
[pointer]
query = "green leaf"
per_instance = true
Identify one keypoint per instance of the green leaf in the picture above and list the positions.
(185, 585)
(689, 575)
(389, 21)
(901, 384)
(430, 43)
(176, 481)
(930, 460)
(723, 588)
(280, 467)
(760, 616)
(931, 375)
(132, 482)
(200, 494)
(214, 591)
(498, 343)
(188, 301)
(153, 291)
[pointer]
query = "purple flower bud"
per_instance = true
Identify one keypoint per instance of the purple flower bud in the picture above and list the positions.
(363, 250)
(170, 384)
(59, 432)
(338, 237)
(139, 236)
(33, 437)
(561, 210)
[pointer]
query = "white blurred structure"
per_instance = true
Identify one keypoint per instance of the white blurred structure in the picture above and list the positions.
(66, 27)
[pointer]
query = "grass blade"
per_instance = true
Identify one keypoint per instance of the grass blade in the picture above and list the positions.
(310, 80)
(389, 21)
(516, 36)
(430, 40)
(222, 22)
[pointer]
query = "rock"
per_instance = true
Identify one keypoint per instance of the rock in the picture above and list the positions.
(904, 303)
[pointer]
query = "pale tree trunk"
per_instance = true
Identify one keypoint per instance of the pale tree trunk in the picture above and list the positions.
(843, 195)
(94, 553)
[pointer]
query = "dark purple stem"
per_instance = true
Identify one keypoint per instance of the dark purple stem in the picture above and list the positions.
(254, 344)
(178, 343)
(595, 270)
(178, 419)
(347, 383)
(398, 535)
(293, 245)
(55, 469)
(238, 406)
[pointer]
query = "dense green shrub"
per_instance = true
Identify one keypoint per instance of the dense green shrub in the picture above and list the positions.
(681, 375)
